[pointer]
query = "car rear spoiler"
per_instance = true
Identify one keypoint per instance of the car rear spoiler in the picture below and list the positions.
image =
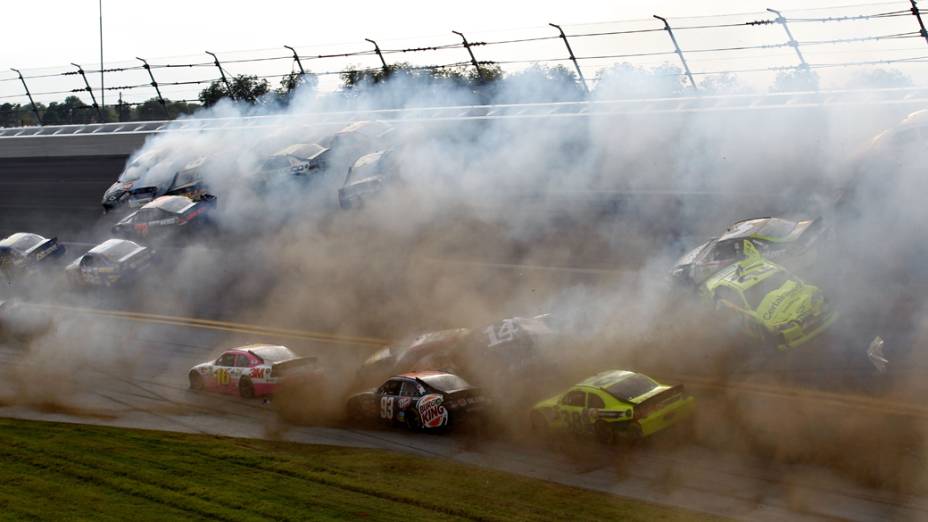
(283, 368)
(659, 400)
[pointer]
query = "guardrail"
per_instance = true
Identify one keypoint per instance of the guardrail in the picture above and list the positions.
(915, 96)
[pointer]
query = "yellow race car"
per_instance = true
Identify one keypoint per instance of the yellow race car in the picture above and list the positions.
(613, 405)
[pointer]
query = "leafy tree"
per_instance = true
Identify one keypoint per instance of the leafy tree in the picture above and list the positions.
(244, 87)
(801, 79)
(625, 80)
(71, 110)
(540, 83)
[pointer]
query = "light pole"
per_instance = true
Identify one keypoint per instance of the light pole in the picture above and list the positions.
(100, 10)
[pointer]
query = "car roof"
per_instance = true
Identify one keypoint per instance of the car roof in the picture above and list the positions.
(420, 374)
(606, 379)
(173, 204)
(301, 150)
(112, 247)
(369, 159)
(752, 272)
(15, 241)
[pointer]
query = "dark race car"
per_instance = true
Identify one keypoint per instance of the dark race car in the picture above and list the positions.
(427, 400)
(168, 215)
(299, 159)
(133, 176)
(23, 253)
(354, 141)
(779, 239)
(368, 177)
(426, 351)
(113, 262)
(187, 180)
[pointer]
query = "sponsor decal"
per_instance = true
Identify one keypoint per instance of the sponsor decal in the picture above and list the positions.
(404, 403)
(258, 372)
(431, 411)
(768, 315)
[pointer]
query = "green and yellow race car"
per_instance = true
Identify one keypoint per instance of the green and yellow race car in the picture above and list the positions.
(613, 405)
(768, 302)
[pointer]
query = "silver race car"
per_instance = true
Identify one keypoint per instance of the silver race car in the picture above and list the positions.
(113, 262)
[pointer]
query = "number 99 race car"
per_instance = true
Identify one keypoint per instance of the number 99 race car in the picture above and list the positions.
(249, 371)
(428, 400)
(613, 405)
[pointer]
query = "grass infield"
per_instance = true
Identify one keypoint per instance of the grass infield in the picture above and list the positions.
(54, 471)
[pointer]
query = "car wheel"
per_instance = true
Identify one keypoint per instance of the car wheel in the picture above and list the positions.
(605, 433)
(196, 381)
(245, 388)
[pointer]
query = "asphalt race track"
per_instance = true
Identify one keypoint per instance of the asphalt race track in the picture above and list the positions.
(147, 388)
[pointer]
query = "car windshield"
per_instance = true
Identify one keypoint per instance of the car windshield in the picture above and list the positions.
(21, 242)
(776, 227)
(277, 163)
(274, 354)
(631, 386)
(139, 166)
(756, 293)
(445, 382)
(175, 204)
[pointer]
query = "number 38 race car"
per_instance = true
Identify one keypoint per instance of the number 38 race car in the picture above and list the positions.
(613, 405)
(249, 371)
(419, 400)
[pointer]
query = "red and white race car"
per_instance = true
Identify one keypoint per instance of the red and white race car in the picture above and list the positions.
(249, 371)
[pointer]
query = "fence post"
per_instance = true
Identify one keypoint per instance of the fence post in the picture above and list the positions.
(153, 84)
(297, 58)
(222, 73)
(470, 52)
(789, 34)
(572, 57)
(35, 110)
(383, 63)
(921, 23)
(679, 52)
(80, 70)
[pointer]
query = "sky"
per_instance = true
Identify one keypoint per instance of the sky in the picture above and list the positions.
(67, 32)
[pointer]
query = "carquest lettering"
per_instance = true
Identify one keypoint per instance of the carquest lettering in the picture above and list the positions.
(768, 315)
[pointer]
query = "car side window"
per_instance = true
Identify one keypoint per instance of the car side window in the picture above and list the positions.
(391, 387)
(226, 359)
(595, 401)
(574, 398)
(242, 361)
(410, 389)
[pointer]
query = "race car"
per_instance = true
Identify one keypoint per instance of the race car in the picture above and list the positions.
(112, 262)
(168, 215)
(23, 253)
(775, 238)
(425, 400)
(368, 177)
(427, 351)
(187, 180)
(299, 159)
(249, 371)
(517, 345)
(611, 406)
(131, 176)
(768, 302)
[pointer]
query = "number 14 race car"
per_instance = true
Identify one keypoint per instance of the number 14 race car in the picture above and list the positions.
(428, 400)
(249, 371)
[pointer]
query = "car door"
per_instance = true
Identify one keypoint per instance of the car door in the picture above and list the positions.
(388, 396)
(410, 393)
(241, 369)
(222, 372)
(570, 410)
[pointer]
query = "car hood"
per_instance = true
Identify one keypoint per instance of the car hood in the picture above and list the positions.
(791, 302)
(116, 191)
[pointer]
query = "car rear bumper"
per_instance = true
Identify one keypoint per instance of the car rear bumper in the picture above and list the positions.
(667, 416)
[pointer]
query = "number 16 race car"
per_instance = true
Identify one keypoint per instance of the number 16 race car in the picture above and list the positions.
(427, 400)
(613, 405)
(249, 371)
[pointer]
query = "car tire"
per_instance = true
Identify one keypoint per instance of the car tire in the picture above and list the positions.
(246, 389)
(196, 381)
(605, 433)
